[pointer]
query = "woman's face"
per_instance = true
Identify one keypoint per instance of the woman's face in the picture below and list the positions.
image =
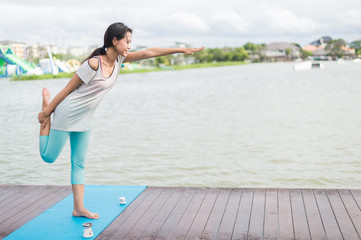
(122, 46)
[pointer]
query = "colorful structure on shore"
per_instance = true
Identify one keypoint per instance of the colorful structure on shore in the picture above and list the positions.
(10, 64)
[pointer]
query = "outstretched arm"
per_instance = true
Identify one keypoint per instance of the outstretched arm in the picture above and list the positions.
(157, 52)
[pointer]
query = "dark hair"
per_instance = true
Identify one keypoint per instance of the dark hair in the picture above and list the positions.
(117, 30)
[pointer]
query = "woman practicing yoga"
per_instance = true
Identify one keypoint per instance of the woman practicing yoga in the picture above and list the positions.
(73, 107)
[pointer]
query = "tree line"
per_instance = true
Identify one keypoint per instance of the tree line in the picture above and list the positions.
(249, 51)
(254, 52)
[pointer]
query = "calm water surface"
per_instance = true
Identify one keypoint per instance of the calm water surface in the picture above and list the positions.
(256, 125)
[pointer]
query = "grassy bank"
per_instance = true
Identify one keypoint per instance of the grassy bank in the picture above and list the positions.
(174, 67)
(182, 67)
(41, 77)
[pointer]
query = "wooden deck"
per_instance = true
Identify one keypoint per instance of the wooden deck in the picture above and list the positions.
(207, 213)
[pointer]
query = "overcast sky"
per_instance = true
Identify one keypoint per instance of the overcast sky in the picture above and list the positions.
(210, 23)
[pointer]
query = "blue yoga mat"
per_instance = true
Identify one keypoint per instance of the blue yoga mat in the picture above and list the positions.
(57, 222)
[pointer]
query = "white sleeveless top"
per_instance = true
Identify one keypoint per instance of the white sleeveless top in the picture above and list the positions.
(74, 113)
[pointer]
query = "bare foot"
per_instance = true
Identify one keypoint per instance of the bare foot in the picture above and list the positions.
(46, 98)
(85, 213)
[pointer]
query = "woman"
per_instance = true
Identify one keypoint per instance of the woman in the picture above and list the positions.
(74, 106)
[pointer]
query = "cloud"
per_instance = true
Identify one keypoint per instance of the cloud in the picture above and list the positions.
(280, 20)
(350, 18)
(176, 24)
(229, 23)
(50, 24)
(190, 21)
(163, 22)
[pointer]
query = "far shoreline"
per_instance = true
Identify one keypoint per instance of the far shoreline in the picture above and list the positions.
(123, 71)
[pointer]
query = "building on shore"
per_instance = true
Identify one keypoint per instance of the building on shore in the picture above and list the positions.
(348, 52)
(18, 48)
(36, 51)
(320, 50)
(322, 41)
(81, 53)
(281, 51)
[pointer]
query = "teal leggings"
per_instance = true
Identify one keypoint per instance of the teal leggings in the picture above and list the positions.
(52, 145)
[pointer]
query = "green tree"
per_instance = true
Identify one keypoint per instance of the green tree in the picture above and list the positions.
(162, 60)
(240, 54)
(297, 45)
(221, 54)
(335, 47)
(250, 46)
(201, 56)
(305, 54)
(288, 52)
(59, 56)
(206, 55)
(357, 46)
(256, 50)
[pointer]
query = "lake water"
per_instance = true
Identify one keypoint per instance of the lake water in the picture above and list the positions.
(256, 125)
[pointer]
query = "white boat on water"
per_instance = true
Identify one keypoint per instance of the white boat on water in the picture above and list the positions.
(307, 65)
(340, 61)
(302, 66)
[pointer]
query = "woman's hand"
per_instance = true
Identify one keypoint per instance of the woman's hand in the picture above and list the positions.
(43, 118)
(191, 51)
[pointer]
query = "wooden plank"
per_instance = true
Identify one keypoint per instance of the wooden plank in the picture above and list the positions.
(227, 225)
(201, 219)
(207, 213)
(134, 209)
(357, 196)
(4, 189)
(244, 215)
(300, 223)
(141, 218)
(16, 198)
(173, 219)
(352, 209)
(8, 191)
(211, 229)
(347, 229)
(184, 224)
(34, 209)
(257, 218)
(162, 215)
(27, 208)
(271, 214)
(25, 202)
(5, 194)
(285, 224)
(148, 216)
(11, 191)
(317, 230)
(328, 218)
(13, 188)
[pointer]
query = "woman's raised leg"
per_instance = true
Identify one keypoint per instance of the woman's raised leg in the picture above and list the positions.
(51, 142)
(44, 130)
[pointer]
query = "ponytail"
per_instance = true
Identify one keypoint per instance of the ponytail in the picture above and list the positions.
(96, 52)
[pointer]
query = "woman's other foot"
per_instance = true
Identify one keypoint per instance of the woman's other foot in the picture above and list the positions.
(46, 98)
